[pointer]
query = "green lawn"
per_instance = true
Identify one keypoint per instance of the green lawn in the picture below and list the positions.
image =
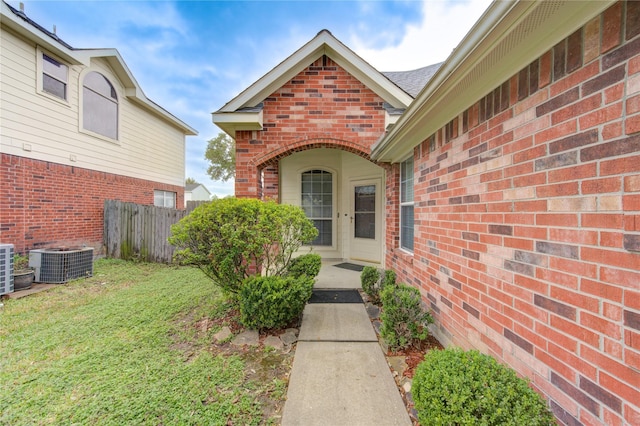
(123, 347)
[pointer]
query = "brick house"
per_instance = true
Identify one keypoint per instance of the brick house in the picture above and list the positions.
(507, 189)
(76, 129)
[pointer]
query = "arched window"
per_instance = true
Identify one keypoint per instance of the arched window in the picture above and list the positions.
(99, 106)
(317, 203)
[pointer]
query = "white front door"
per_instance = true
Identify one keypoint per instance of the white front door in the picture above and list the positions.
(365, 221)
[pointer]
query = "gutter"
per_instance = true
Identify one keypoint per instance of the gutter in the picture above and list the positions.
(508, 36)
(487, 22)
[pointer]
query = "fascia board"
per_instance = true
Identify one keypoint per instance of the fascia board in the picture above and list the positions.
(438, 103)
(369, 76)
(10, 20)
(323, 44)
(390, 120)
(277, 77)
(231, 122)
(157, 110)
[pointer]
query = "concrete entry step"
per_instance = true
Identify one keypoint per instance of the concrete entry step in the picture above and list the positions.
(342, 383)
(345, 322)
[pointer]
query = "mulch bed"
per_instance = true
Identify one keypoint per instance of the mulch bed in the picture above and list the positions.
(415, 354)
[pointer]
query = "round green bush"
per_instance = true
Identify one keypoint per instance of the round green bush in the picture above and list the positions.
(308, 264)
(454, 387)
(273, 302)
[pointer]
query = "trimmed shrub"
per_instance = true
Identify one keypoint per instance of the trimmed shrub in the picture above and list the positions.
(308, 264)
(369, 278)
(230, 239)
(454, 387)
(273, 302)
(403, 319)
(389, 279)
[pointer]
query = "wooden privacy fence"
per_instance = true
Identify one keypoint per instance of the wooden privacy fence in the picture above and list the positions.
(135, 231)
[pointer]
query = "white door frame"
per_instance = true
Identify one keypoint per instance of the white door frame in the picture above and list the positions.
(361, 249)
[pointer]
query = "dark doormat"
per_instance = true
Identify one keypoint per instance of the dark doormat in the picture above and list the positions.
(350, 266)
(335, 296)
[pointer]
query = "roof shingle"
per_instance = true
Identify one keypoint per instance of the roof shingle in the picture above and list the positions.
(413, 81)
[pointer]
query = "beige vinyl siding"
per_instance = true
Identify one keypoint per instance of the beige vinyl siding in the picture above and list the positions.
(148, 147)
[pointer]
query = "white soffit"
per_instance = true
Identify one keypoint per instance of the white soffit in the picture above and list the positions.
(508, 37)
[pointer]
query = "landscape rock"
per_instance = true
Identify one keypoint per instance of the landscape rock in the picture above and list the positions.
(407, 386)
(409, 398)
(414, 414)
(373, 311)
(223, 334)
(398, 364)
(247, 337)
(290, 336)
(274, 342)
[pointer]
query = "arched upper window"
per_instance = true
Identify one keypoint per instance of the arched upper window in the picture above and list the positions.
(99, 106)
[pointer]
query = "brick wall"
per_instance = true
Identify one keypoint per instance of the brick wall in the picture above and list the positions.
(45, 204)
(527, 211)
(322, 107)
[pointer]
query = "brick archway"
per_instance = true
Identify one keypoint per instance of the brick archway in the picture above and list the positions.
(272, 158)
(267, 164)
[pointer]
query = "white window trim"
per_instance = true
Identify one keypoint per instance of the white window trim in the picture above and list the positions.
(81, 128)
(405, 204)
(164, 197)
(40, 71)
(334, 225)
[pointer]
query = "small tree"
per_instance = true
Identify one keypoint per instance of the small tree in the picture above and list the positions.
(230, 239)
(221, 154)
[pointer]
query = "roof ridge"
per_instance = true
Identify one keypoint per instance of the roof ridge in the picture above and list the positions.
(22, 15)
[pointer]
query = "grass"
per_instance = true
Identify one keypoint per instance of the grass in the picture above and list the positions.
(120, 348)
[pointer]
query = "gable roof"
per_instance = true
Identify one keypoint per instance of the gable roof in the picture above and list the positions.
(244, 112)
(189, 187)
(506, 38)
(413, 81)
(19, 22)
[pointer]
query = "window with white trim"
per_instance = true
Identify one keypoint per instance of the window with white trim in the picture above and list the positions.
(317, 203)
(99, 106)
(406, 204)
(164, 199)
(55, 77)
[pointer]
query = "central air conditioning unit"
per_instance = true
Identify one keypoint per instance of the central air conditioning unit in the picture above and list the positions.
(6, 268)
(57, 266)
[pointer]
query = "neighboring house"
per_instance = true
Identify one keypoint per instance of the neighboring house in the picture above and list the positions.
(507, 191)
(196, 192)
(76, 130)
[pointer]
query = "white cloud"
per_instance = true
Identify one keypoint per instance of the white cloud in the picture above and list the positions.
(443, 26)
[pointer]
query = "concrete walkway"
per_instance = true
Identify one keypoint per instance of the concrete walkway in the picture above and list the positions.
(340, 375)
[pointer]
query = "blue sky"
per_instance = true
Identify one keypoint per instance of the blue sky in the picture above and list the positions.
(192, 57)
